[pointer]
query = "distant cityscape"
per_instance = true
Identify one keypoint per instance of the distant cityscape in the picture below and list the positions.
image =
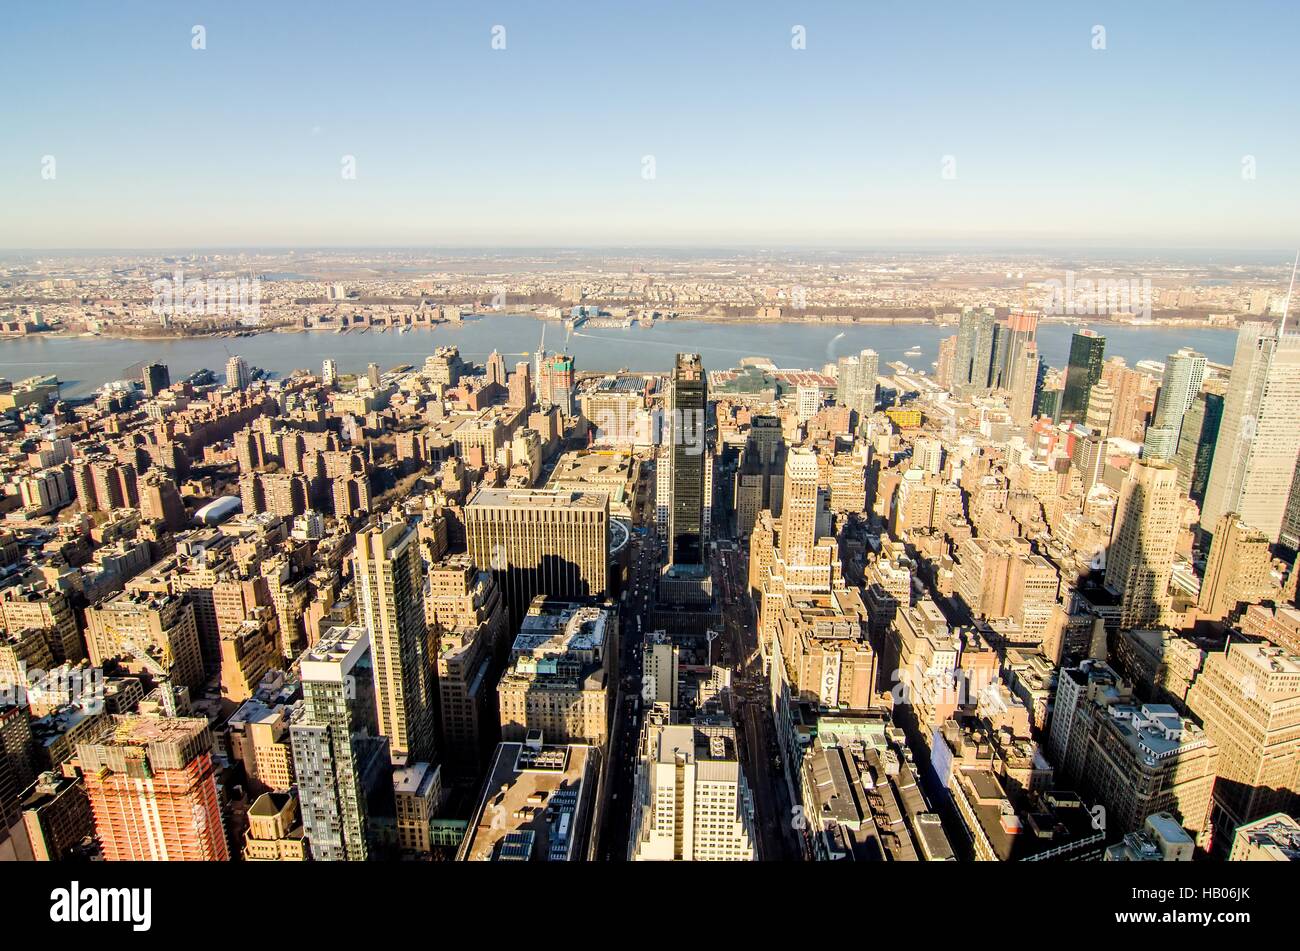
(521, 611)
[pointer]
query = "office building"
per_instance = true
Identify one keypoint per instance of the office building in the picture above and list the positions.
(1274, 838)
(147, 633)
(1087, 349)
(688, 405)
(1237, 569)
(691, 800)
(539, 541)
(1248, 698)
(1140, 559)
(1255, 454)
(465, 612)
(562, 664)
(1197, 438)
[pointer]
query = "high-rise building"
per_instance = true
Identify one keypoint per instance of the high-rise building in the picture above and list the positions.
(521, 386)
(856, 386)
(1184, 373)
(496, 369)
(946, 362)
(1140, 560)
(156, 378)
(18, 762)
(1101, 404)
(759, 473)
(390, 584)
(1255, 455)
(1140, 759)
(688, 406)
(800, 506)
(468, 619)
(1248, 697)
(1023, 382)
(338, 755)
(691, 801)
(1087, 348)
(237, 374)
(152, 785)
(974, 361)
(1020, 333)
(540, 541)
(1197, 438)
(1236, 570)
(329, 372)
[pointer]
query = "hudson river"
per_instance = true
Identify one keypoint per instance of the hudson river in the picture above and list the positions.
(86, 363)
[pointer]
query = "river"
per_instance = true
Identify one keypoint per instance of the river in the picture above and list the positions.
(86, 363)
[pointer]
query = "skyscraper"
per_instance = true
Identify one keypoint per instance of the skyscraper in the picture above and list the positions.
(856, 386)
(521, 386)
(1021, 333)
(1140, 560)
(1184, 372)
(973, 362)
(1022, 382)
(338, 756)
(1087, 348)
(1196, 440)
(1248, 697)
(540, 541)
(1236, 569)
(1255, 455)
(496, 369)
(152, 785)
(390, 583)
(156, 379)
(237, 374)
(799, 507)
(688, 405)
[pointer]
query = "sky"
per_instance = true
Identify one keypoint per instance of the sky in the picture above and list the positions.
(637, 123)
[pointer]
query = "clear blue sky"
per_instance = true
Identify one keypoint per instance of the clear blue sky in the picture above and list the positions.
(159, 145)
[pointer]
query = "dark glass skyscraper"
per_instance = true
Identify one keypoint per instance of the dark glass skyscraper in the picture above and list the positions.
(1087, 349)
(156, 379)
(1200, 431)
(688, 403)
